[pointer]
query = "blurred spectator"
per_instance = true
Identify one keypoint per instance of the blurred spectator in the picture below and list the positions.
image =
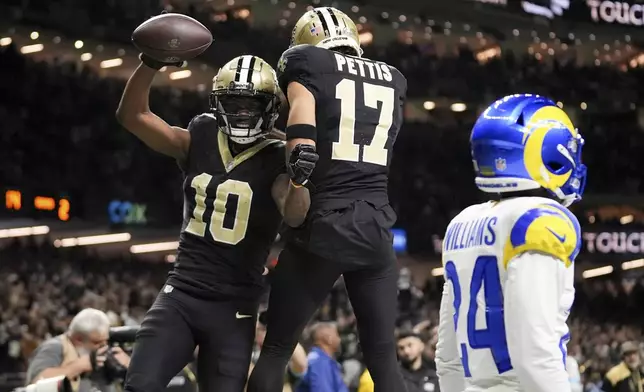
(419, 372)
(627, 375)
(186, 380)
(324, 373)
(594, 383)
(297, 365)
(80, 354)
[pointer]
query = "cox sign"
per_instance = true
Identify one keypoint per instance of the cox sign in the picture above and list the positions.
(125, 212)
(614, 242)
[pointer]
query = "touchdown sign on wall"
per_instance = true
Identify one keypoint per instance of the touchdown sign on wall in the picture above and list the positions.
(619, 12)
(614, 242)
(624, 13)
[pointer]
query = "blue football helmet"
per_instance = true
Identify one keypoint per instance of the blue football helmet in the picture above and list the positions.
(525, 141)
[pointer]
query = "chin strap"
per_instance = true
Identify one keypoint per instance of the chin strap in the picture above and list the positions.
(245, 140)
(565, 200)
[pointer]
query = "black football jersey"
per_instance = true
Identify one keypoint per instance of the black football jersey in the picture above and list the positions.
(359, 111)
(230, 218)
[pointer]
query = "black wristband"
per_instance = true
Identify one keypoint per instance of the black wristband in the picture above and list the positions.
(301, 131)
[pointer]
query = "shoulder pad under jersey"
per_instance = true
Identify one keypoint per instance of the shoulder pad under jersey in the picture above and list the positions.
(399, 79)
(298, 64)
(546, 228)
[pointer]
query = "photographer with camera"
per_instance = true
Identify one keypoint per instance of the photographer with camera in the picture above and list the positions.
(82, 355)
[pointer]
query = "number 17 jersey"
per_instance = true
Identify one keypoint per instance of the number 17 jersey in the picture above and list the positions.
(508, 291)
(359, 111)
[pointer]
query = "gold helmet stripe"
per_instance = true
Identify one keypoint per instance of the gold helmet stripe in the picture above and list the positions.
(245, 67)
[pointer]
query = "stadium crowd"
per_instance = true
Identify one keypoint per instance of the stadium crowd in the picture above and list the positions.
(59, 132)
(42, 288)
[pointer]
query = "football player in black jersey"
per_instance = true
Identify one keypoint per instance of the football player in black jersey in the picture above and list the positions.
(347, 110)
(235, 187)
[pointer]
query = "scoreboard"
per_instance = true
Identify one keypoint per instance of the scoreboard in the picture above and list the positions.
(24, 204)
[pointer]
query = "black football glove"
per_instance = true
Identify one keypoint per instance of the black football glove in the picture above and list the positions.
(155, 64)
(301, 163)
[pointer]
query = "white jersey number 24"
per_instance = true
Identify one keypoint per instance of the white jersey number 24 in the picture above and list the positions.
(485, 275)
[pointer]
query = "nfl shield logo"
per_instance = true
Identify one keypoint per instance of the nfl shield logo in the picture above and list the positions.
(500, 164)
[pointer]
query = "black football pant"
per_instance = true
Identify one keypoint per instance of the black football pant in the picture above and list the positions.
(177, 323)
(299, 284)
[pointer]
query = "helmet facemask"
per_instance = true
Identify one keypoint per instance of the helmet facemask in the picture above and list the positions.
(573, 189)
(244, 115)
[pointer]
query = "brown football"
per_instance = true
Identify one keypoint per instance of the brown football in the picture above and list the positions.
(171, 38)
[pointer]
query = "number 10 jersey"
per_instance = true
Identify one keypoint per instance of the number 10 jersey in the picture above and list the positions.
(508, 291)
(230, 217)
